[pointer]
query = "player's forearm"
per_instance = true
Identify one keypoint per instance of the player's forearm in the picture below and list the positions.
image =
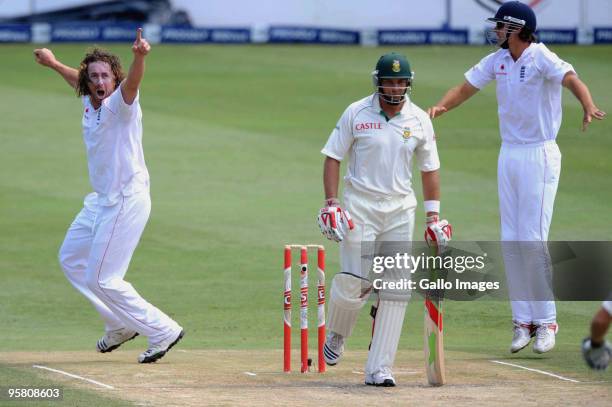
(431, 186)
(580, 90)
(70, 75)
(331, 177)
(457, 95)
(599, 326)
(135, 74)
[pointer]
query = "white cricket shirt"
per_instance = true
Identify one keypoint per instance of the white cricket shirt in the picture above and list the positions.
(113, 139)
(528, 92)
(380, 151)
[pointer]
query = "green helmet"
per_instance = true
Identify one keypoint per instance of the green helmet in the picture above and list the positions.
(392, 66)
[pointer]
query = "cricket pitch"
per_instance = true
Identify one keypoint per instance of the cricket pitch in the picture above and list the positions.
(255, 378)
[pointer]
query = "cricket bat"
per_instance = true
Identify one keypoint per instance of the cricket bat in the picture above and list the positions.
(434, 338)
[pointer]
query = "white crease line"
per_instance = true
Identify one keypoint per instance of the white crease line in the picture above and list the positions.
(250, 374)
(536, 370)
(74, 376)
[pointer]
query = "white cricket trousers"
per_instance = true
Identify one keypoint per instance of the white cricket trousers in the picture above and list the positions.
(95, 256)
(528, 176)
(377, 219)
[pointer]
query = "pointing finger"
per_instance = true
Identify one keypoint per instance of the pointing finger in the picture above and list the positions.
(139, 34)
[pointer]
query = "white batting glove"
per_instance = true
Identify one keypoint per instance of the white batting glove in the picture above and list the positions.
(334, 221)
(597, 358)
(438, 233)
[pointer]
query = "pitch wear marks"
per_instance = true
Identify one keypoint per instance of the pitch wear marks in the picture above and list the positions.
(113, 139)
(381, 156)
(528, 95)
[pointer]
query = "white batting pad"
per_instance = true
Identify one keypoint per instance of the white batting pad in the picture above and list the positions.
(387, 331)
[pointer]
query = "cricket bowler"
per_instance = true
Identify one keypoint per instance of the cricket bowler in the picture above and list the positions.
(100, 241)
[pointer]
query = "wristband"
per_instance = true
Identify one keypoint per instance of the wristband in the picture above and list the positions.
(432, 206)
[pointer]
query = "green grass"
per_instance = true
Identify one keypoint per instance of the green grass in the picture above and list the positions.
(232, 140)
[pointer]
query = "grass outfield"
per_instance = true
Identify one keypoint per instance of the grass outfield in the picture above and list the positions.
(232, 140)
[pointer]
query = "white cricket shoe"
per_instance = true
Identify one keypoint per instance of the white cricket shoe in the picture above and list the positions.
(333, 348)
(113, 339)
(382, 378)
(157, 351)
(545, 337)
(522, 336)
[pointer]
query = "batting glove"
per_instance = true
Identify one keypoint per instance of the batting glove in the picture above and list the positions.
(334, 221)
(598, 357)
(438, 233)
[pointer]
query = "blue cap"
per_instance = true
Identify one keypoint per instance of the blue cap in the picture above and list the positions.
(515, 12)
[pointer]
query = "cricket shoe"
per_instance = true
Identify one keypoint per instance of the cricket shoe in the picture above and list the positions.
(545, 337)
(113, 339)
(382, 378)
(333, 348)
(522, 336)
(157, 351)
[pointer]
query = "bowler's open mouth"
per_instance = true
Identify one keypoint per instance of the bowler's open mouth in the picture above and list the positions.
(100, 93)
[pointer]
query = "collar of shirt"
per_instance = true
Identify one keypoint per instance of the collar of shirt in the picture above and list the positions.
(406, 108)
(528, 51)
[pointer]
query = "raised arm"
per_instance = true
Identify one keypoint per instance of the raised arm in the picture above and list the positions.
(452, 99)
(129, 87)
(46, 58)
(581, 91)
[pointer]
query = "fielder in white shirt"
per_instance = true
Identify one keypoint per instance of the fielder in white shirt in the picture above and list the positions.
(381, 135)
(100, 242)
(529, 78)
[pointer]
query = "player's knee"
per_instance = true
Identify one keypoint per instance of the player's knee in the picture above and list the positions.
(92, 282)
(402, 295)
(66, 260)
(99, 285)
(349, 292)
